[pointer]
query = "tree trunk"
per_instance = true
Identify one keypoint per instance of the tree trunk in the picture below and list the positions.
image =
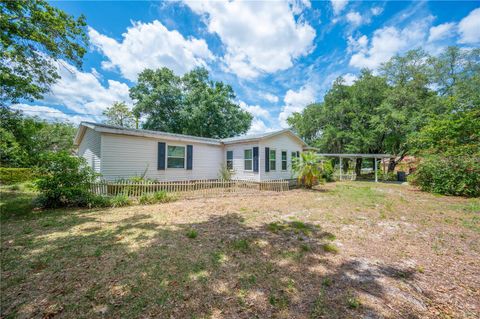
(392, 163)
(358, 166)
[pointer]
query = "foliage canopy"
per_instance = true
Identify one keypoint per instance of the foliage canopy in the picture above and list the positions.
(191, 104)
(34, 36)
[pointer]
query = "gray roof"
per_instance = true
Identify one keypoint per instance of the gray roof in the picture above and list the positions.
(150, 133)
(254, 137)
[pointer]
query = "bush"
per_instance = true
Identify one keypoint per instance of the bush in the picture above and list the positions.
(454, 175)
(12, 175)
(158, 197)
(146, 199)
(327, 173)
(99, 201)
(65, 180)
(120, 200)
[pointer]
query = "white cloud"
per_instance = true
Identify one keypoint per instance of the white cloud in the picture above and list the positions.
(469, 28)
(78, 92)
(82, 92)
(51, 114)
(295, 101)
(385, 43)
(376, 11)
(255, 110)
(269, 97)
(259, 36)
(259, 126)
(354, 18)
(441, 32)
(338, 5)
(349, 78)
(150, 45)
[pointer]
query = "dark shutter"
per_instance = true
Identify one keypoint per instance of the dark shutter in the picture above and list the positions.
(267, 159)
(189, 156)
(298, 154)
(255, 159)
(161, 156)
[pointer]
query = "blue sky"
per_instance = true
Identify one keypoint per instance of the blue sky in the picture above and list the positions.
(277, 55)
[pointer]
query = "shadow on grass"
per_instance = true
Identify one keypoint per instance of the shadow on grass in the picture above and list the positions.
(141, 268)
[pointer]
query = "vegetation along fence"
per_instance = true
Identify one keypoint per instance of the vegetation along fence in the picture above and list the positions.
(198, 188)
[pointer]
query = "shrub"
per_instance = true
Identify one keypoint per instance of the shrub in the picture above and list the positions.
(99, 201)
(327, 173)
(121, 200)
(453, 175)
(146, 199)
(12, 175)
(192, 233)
(164, 197)
(65, 180)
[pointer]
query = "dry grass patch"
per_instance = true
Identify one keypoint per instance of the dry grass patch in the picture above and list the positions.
(399, 253)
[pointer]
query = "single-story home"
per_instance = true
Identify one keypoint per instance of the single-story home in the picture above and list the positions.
(119, 152)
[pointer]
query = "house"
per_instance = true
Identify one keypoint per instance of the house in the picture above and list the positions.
(118, 152)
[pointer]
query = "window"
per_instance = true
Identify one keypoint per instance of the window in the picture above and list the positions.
(273, 160)
(176, 157)
(230, 160)
(284, 160)
(248, 159)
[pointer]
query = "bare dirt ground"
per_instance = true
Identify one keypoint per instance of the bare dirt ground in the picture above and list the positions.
(345, 250)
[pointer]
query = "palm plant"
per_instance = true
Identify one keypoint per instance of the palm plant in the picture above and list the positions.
(309, 169)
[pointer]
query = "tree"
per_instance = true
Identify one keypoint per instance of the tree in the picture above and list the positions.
(380, 113)
(34, 35)
(65, 180)
(191, 104)
(120, 115)
(23, 139)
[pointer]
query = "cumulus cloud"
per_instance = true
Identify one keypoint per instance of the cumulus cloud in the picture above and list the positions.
(255, 110)
(349, 78)
(269, 97)
(51, 114)
(441, 32)
(354, 18)
(259, 126)
(82, 92)
(259, 36)
(338, 5)
(78, 92)
(376, 11)
(295, 101)
(469, 28)
(385, 43)
(150, 45)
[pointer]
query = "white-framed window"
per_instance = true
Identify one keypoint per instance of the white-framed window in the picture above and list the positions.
(272, 158)
(175, 156)
(284, 160)
(248, 159)
(230, 160)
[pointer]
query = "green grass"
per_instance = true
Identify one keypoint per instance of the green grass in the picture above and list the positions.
(330, 248)
(192, 233)
(242, 245)
(16, 204)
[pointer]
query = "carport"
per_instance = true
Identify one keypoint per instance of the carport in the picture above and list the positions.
(375, 157)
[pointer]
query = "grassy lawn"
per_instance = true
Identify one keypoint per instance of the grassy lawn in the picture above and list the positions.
(347, 250)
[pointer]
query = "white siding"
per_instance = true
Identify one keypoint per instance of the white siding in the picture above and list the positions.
(238, 161)
(282, 142)
(127, 156)
(90, 149)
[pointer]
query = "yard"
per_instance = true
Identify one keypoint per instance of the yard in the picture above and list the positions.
(353, 249)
